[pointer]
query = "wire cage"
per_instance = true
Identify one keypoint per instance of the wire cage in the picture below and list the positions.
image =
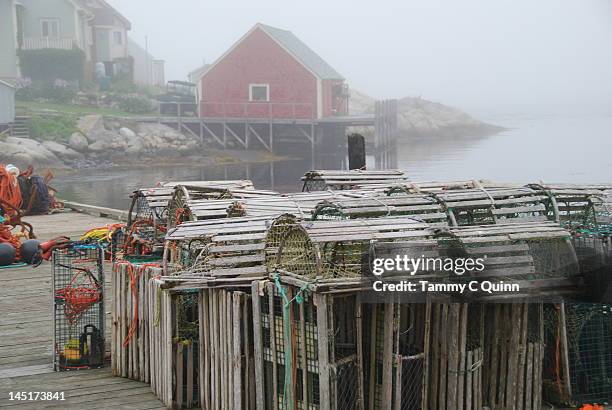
(323, 180)
(578, 362)
(309, 348)
(78, 314)
(116, 246)
(146, 224)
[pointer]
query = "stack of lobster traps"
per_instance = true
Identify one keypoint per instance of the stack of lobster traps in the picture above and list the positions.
(586, 211)
(190, 343)
(308, 331)
(265, 300)
(148, 213)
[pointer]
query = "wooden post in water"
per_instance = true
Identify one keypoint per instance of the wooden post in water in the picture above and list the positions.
(356, 151)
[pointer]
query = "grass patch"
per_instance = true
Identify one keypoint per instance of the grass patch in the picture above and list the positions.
(52, 128)
(71, 109)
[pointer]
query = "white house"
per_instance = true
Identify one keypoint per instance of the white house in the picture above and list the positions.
(147, 69)
(7, 104)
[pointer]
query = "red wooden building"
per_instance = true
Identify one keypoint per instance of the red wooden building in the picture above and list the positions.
(270, 73)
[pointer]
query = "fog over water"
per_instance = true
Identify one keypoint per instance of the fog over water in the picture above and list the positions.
(542, 69)
(485, 57)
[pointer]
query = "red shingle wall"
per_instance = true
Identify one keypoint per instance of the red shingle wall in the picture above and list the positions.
(259, 60)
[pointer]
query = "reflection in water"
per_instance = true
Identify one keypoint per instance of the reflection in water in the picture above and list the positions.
(552, 149)
(112, 187)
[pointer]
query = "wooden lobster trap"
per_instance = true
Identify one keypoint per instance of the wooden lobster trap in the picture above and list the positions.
(333, 254)
(512, 367)
(148, 213)
(576, 206)
(193, 345)
(307, 348)
(226, 252)
(494, 205)
(201, 210)
(428, 187)
(189, 202)
(323, 180)
(539, 257)
(174, 343)
(227, 363)
(146, 225)
(130, 315)
(421, 207)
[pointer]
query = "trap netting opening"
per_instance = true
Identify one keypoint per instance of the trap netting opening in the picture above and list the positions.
(588, 336)
(185, 348)
(305, 355)
(78, 314)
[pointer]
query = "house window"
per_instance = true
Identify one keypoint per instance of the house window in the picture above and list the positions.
(118, 38)
(49, 28)
(259, 92)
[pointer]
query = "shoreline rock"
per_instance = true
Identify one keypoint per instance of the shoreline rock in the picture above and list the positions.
(420, 118)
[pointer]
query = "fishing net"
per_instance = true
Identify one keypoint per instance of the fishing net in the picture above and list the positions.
(187, 322)
(178, 212)
(589, 350)
(185, 349)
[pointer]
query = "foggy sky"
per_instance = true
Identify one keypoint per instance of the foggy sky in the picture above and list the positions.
(484, 56)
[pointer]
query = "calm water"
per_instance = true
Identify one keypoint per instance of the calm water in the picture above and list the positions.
(561, 149)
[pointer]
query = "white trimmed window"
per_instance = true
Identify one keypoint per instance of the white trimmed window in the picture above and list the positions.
(118, 38)
(259, 92)
(50, 28)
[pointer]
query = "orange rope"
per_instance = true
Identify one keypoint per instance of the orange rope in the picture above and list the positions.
(6, 236)
(131, 242)
(9, 193)
(134, 275)
(79, 297)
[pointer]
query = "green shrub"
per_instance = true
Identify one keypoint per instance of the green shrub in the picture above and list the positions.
(47, 65)
(59, 91)
(135, 104)
(52, 128)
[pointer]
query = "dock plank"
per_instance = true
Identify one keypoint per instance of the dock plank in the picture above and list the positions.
(26, 335)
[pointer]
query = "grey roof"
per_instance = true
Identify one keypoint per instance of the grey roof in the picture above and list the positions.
(303, 53)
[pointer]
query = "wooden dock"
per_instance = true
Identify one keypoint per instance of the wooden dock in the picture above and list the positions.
(26, 335)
